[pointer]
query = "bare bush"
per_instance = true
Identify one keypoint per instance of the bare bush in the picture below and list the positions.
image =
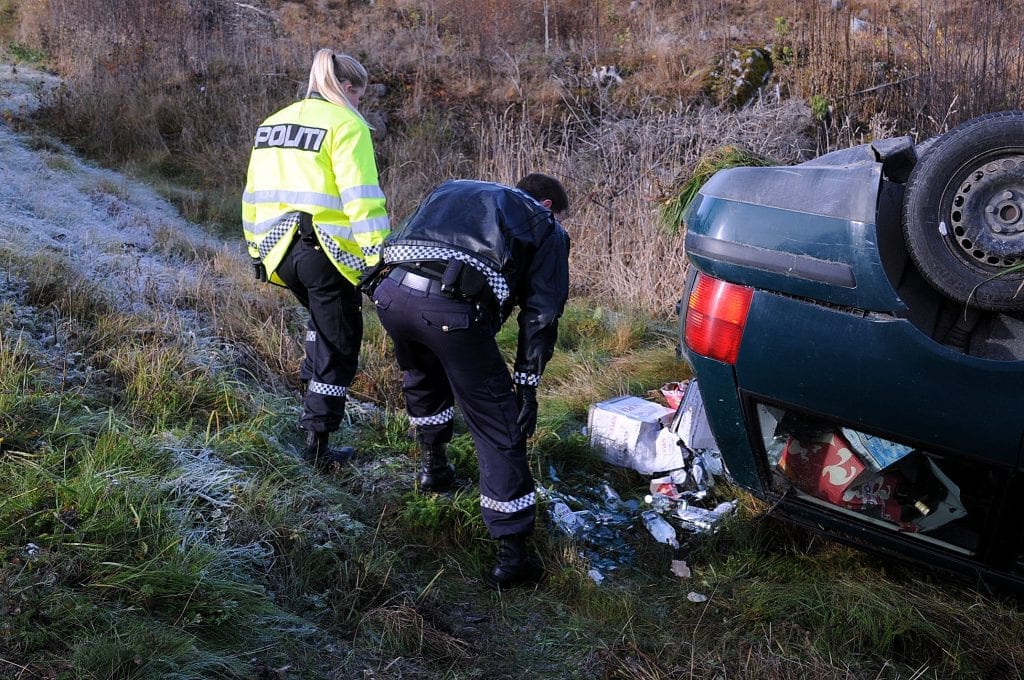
(162, 82)
(493, 89)
(969, 61)
(927, 66)
(619, 174)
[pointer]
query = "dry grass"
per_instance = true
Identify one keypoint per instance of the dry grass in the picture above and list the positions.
(261, 324)
(927, 65)
(621, 175)
(405, 628)
(496, 88)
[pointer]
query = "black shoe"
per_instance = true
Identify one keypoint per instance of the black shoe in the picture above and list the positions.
(436, 473)
(517, 565)
(322, 456)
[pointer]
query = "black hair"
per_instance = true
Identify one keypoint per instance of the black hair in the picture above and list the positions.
(543, 187)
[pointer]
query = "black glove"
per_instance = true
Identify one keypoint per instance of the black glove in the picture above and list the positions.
(370, 278)
(526, 399)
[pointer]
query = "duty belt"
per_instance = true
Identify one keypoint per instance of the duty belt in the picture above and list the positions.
(410, 254)
(404, 277)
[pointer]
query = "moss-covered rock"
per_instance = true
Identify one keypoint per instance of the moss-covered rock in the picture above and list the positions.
(738, 75)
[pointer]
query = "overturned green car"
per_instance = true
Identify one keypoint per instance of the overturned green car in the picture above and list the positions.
(856, 326)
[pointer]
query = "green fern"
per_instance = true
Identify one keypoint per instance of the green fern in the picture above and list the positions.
(674, 209)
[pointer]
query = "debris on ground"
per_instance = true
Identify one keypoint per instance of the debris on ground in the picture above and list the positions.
(674, 448)
(628, 431)
(681, 569)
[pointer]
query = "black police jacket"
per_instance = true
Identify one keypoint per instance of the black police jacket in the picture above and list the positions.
(510, 238)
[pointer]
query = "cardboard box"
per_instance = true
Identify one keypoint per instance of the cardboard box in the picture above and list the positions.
(878, 453)
(828, 467)
(691, 421)
(823, 466)
(875, 492)
(625, 431)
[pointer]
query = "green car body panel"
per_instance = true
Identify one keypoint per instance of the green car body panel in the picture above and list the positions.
(827, 333)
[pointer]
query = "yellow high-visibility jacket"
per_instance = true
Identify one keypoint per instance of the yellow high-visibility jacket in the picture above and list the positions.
(314, 157)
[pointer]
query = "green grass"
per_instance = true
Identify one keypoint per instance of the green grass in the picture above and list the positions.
(731, 156)
(18, 52)
(156, 521)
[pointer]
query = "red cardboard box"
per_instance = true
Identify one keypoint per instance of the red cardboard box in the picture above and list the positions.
(827, 467)
(875, 493)
(823, 466)
(673, 393)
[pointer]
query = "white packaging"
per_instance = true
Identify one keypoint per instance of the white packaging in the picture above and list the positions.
(691, 422)
(627, 431)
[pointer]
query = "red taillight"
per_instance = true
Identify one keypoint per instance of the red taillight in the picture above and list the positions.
(715, 316)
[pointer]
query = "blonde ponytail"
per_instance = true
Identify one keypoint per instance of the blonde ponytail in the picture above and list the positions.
(329, 71)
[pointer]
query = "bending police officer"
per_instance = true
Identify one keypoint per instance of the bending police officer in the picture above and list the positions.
(450, 277)
(314, 218)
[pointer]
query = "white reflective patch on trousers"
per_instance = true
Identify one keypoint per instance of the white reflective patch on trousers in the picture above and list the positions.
(508, 507)
(328, 390)
(437, 419)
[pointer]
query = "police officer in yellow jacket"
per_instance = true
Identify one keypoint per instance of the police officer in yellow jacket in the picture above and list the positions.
(314, 219)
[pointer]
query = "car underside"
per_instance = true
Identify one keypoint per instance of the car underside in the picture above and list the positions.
(855, 326)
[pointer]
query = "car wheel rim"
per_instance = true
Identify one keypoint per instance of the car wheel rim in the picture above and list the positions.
(986, 215)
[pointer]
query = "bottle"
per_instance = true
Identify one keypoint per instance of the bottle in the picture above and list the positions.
(658, 501)
(697, 518)
(611, 498)
(661, 530)
(565, 519)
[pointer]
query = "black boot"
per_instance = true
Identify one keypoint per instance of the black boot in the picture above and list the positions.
(517, 564)
(436, 473)
(324, 457)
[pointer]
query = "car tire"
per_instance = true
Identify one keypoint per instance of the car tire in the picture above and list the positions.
(963, 213)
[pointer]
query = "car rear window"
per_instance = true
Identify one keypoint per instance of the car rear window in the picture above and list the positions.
(931, 497)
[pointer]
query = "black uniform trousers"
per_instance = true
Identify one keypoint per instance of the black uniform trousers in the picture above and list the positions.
(448, 353)
(333, 334)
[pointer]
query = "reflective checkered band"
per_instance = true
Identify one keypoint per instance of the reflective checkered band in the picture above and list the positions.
(310, 336)
(371, 251)
(521, 378)
(337, 254)
(328, 390)
(291, 221)
(399, 254)
(508, 507)
(441, 418)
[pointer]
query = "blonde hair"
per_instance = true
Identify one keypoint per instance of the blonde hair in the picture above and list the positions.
(329, 71)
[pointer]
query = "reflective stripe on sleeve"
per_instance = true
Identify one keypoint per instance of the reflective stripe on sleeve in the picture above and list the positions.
(347, 233)
(294, 198)
(365, 191)
(521, 378)
(371, 225)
